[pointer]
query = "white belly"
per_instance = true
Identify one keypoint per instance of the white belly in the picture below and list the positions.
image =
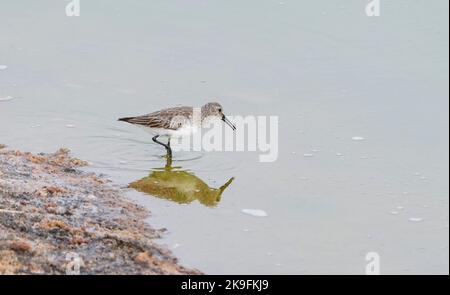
(186, 130)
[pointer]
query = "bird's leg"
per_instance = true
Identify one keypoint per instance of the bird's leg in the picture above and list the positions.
(167, 146)
(169, 149)
(169, 154)
(168, 162)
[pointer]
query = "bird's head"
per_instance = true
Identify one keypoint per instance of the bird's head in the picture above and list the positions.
(214, 109)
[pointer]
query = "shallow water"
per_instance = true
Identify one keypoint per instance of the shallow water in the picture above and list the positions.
(362, 102)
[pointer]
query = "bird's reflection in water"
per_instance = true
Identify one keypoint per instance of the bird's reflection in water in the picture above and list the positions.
(183, 187)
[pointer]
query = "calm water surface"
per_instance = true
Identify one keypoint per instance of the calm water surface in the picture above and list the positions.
(326, 69)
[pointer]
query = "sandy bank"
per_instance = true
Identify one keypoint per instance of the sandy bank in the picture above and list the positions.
(54, 219)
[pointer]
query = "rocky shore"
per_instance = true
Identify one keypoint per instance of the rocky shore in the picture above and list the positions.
(55, 219)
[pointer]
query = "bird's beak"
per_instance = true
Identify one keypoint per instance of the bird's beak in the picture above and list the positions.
(228, 122)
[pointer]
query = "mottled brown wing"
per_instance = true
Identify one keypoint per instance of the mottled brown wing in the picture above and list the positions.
(168, 118)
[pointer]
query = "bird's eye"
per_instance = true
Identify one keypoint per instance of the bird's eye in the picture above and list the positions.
(220, 110)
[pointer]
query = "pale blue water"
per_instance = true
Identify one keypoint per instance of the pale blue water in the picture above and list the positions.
(326, 69)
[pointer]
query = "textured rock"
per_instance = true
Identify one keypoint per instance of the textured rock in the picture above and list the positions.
(51, 215)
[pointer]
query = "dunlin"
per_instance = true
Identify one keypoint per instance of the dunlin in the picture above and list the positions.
(176, 121)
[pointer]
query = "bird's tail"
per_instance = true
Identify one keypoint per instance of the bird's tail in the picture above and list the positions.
(127, 119)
